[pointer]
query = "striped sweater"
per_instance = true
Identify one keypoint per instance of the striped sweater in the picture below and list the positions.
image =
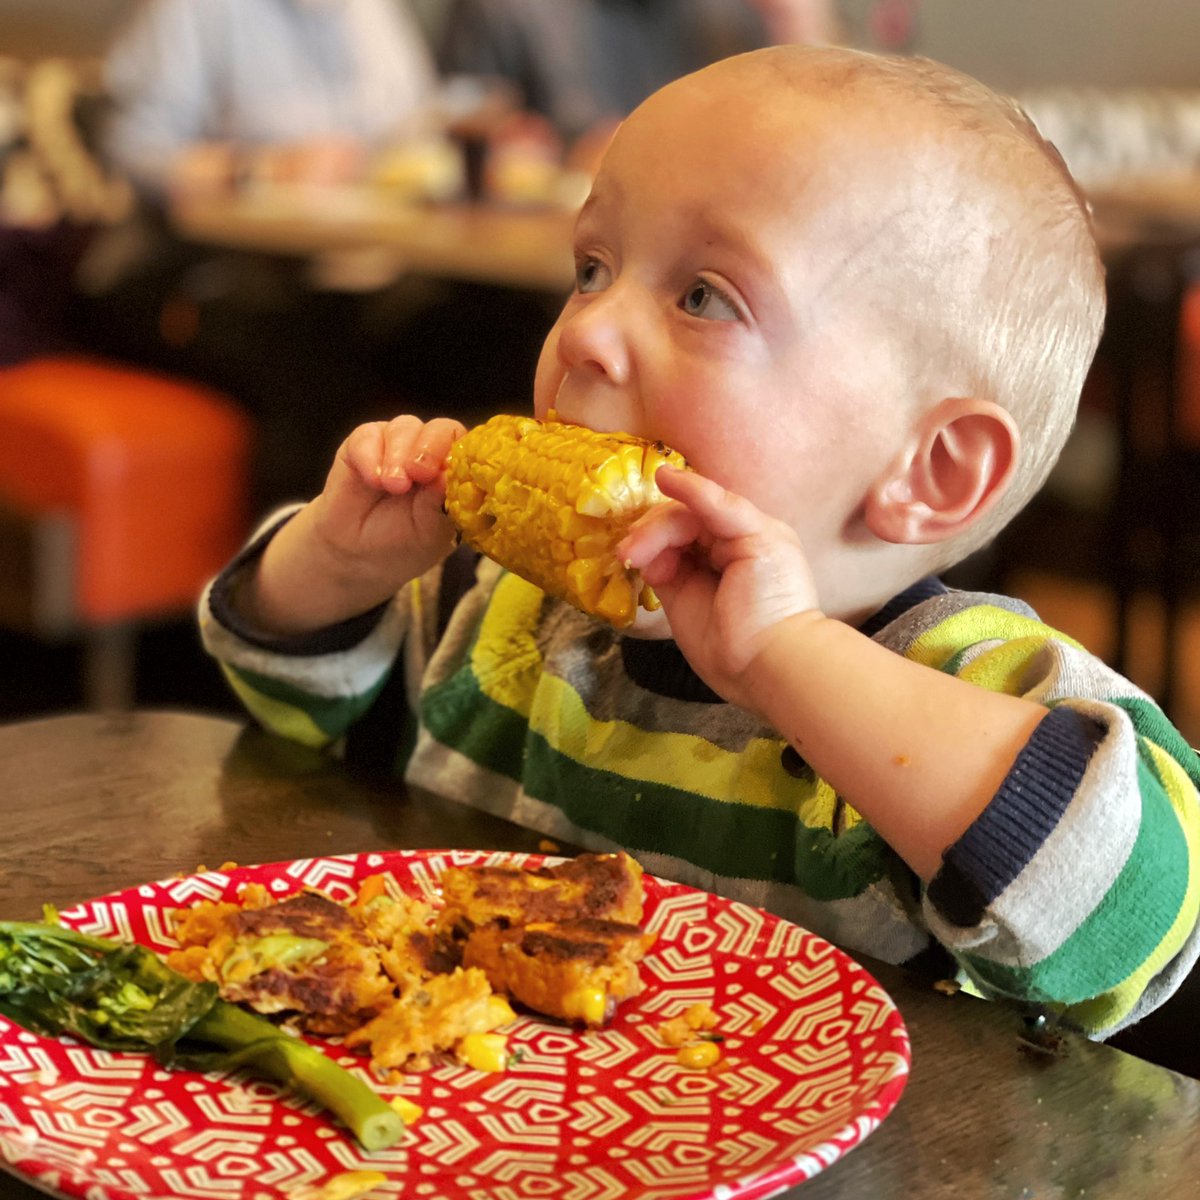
(1076, 891)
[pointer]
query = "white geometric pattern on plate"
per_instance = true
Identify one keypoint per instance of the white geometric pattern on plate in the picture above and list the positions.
(816, 1055)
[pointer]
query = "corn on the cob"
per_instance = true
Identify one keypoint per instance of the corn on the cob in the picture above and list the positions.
(551, 501)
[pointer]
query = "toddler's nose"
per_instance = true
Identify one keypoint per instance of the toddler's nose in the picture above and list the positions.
(595, 336)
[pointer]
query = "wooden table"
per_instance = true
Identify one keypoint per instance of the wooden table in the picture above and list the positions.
(92, 804)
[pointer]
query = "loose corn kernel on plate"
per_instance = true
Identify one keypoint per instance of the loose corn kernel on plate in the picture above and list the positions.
(752, 1042)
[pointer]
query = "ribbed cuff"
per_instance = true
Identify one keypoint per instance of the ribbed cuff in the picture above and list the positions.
(1020, 817)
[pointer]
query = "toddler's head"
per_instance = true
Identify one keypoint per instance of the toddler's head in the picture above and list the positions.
(860, 291)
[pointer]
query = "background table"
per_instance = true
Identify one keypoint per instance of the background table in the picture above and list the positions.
(513, 246)
(531, 246)
(94, 804)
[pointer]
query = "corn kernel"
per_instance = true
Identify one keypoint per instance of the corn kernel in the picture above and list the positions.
(585, 574)
(499, 1011)
(699, 1056)
(589, 1005)
(409, 1112)
(617, 602)
(484, 1051)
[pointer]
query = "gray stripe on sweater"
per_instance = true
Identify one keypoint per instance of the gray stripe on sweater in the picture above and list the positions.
(1093, 830)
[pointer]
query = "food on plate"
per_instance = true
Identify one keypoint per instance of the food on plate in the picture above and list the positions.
(694, 1021)
(691, 1031)
(563, 940)
(443, 1011)
(578, 971)
(600, 886)
(409, 983)
(551, 501)
(405, 980)
(331, 968)
(121, 996)
(346, 1185)
(304, 954)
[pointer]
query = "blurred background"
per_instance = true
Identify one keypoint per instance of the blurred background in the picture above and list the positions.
(333, 210)
(1016, 43)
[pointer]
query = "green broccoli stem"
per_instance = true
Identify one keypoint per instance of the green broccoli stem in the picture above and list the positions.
(122, 996)
(289, 1060)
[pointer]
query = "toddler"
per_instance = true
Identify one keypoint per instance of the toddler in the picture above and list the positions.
(860, 296)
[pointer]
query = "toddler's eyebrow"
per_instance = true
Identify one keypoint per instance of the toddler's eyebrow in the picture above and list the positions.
(741, 241)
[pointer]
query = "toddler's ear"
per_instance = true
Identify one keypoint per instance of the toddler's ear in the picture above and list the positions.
(958, 464)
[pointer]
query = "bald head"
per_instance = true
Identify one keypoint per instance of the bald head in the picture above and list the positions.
(951, 222)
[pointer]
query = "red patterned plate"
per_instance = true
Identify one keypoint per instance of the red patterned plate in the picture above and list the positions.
(816, 1052)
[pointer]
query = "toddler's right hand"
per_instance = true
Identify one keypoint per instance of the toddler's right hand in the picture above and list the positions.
(382, 503)
(377, 524)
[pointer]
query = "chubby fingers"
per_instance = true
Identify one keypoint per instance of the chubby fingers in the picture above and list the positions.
(402, 453)
(704, 513)
(656, 541)
(722, 514)
(428, 463)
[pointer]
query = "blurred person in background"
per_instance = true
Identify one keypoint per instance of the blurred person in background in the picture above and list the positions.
(212, 95)
(208, 91)
(582, 65)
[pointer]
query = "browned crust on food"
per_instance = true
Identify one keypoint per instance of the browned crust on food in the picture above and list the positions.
(585, 940)
(599, 886)
(547, 967)
(306, 914)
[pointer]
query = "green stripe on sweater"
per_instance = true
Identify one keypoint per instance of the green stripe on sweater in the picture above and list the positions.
(1148, 719)
(1118, 930)
(294, 713)
(720, 835)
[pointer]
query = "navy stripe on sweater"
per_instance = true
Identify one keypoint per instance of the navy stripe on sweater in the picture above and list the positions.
(1020, 817)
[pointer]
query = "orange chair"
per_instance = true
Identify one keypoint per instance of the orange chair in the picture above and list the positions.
(1187, 410)
(121, 492)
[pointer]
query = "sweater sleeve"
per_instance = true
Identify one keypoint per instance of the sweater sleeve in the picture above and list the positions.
(312, 688)
(1077, 889)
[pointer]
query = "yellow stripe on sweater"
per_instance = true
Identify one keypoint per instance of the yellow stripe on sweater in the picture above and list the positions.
(284, 719)
(982, 623)
(1118, 1001)
(508, 667)
(753, 776)
(1003, 668)
(505, 658)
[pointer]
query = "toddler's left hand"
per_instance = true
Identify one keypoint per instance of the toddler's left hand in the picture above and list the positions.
(726, 573)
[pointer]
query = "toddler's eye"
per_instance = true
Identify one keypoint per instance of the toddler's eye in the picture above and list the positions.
(591, 275)
(702, 299)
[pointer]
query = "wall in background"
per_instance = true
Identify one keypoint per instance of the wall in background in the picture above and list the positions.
(1009, 43)
(1018, 43)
